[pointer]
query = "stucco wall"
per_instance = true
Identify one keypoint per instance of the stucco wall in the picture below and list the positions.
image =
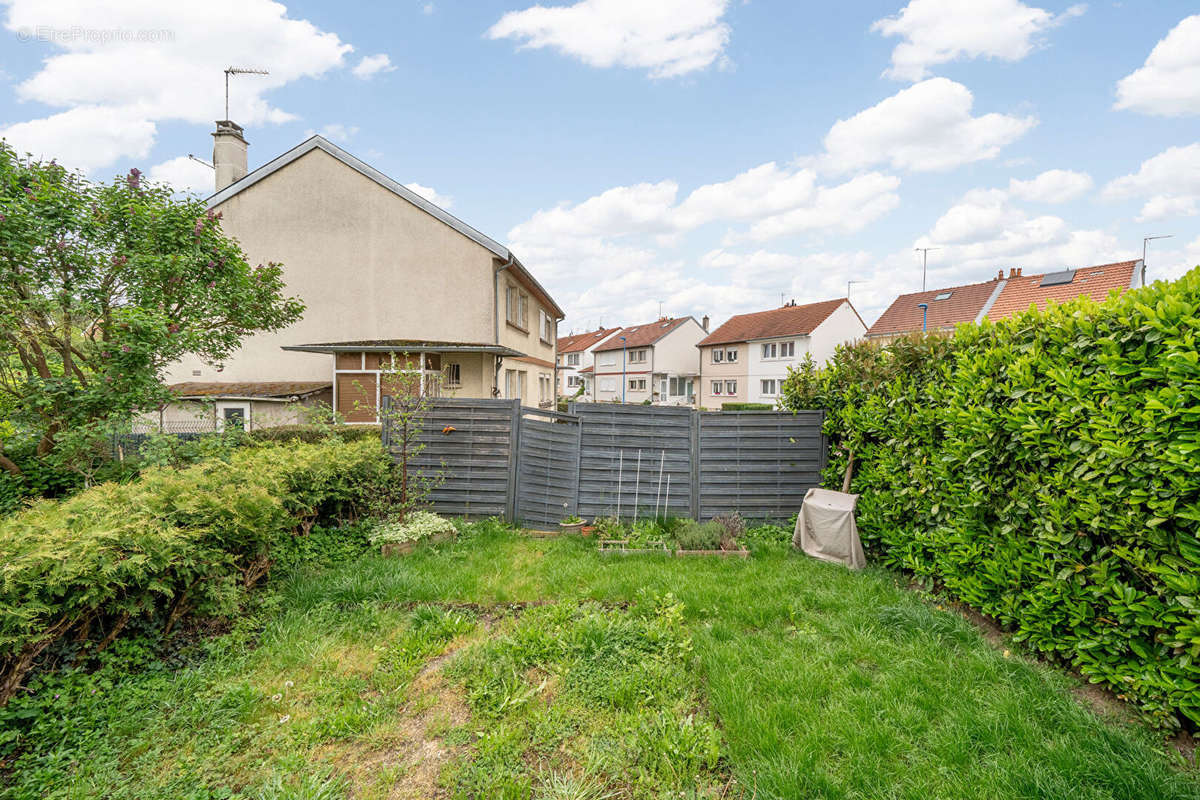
(840, 327)
(722, 371)
(367, 263)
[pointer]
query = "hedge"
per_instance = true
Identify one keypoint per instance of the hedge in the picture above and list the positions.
(1045, 471)
(170, 543)
(747, 407)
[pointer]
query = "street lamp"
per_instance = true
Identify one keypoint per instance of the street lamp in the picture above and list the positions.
(623, 381)
(924, 316)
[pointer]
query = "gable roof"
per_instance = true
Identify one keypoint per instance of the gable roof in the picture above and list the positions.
(258, 389)
(582, 341)
(965, 304)
(1002, 297)
(1022, 291)
(318, 142)
(786, 321)
(642, 335)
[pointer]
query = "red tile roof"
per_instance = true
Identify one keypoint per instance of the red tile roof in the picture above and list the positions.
(1008, 296)
(1022, 291)
(248, 389)
(587, 369)
(642, 335)
(963, 305)
(786, 321)
(582, 341)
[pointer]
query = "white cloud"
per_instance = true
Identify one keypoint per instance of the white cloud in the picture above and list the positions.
(427, 9)
(1170, 181)
(335, 131)
(1052, 186)
(370, 66)
(939, 31)
(926, 127)
(847, 208)
(667, 37)
(430, 194)
(1168, 84)
(184, 175)
(984, 231)
(115, 90)
(87, 137)
(1169, 264)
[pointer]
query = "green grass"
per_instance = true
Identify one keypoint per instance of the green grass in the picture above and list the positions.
(501, 666)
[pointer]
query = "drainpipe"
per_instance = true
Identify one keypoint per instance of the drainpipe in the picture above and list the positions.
(496, 319)
(924, 316)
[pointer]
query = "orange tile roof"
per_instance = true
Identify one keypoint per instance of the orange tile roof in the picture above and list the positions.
(786, 321)
(963, 305)
(582, 341)
(642, 335)
(1022, 291)
(247, 389)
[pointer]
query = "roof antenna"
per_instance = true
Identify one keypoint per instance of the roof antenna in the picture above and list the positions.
(238, 71)
(924, 251)
(200, 161)
(1145, 240)
(660, 302)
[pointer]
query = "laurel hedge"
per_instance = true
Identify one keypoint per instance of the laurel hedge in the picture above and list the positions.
(1045, 471)
(172, 542)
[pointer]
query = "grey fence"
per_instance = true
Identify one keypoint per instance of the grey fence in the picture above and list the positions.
(496, 458)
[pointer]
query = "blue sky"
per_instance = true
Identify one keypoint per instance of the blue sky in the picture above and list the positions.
(708, 154)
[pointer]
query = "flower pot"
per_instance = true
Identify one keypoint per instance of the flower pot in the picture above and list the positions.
(443, 536)
(588, 530)
(570, 527)
(394, 549)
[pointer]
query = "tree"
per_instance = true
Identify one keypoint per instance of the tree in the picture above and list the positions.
(104, 285)
(403, 416)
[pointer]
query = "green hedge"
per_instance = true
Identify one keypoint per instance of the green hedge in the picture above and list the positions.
(172, 542)
(315, 433)
(1046, 471)
(747, 407)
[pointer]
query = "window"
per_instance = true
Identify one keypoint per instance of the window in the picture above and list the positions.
(608, 384)
(787, 349)
(574, 381)
(512, 305)
(572, 359)
(946, 295)
(514, 384)
(454, 374)
(718, 355)
(731, 355)
(730, 387)
(770, 350)
(545, 388)
(637, 356)
(545, 326)
(768, 386)
(718, 387)
(608, 359)
(680, 387)
(524, 306)
(637, 384)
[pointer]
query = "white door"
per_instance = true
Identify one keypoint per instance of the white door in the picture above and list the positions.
(233, 413)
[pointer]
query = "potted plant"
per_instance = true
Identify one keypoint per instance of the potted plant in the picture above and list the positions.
(397, 538)
(571, 524)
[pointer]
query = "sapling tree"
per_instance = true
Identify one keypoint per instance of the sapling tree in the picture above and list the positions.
(403, 417)
(102, 285)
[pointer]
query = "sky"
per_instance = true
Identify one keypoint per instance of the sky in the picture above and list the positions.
(671, 156)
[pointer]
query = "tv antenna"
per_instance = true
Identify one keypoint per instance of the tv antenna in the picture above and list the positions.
(924, 251)
(1146, 240)
(200, 161)
(238, 71)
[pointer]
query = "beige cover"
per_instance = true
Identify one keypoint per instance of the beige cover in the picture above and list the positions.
(825, 528)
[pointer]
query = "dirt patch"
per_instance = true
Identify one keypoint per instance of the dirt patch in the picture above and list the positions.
(405, 758)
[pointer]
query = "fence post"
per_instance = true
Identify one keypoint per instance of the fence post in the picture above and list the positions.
(695, 467)
(514, 447)
(385, 430)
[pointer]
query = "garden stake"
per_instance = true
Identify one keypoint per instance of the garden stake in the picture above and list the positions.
(620, 469)
(637, 482)
(658, 494)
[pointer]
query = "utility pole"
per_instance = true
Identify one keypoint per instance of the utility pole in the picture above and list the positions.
(924, 251)
(1145, 241)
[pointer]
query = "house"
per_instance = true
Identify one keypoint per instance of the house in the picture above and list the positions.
(1000, 298)
(746, 360)
(575, 356)
(656, 361)
(391, 283)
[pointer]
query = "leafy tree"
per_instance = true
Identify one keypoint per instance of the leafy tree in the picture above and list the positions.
(102, 286)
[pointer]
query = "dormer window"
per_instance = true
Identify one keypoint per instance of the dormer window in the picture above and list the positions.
(944, 296)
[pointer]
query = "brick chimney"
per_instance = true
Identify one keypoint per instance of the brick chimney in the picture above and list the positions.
(229, 153)
(1000, 275)
(704, 322)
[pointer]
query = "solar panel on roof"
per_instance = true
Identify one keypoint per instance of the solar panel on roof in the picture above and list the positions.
(1058, 278)
(944, 296)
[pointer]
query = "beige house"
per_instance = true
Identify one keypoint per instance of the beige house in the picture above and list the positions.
(747, 359)
(654, 362)
(391, 283)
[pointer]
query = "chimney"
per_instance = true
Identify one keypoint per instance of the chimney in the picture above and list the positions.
(1000, 275)
(704, 322)
(229, 153)
(1012, 272)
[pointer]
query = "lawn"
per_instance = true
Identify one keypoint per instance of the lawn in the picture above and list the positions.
(501, 666)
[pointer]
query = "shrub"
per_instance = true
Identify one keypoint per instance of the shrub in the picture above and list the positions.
(315, 433)
(733, 529)
(700, 535)
(173, 542)
(417, 526)
(747, 407)
(1046, 471)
